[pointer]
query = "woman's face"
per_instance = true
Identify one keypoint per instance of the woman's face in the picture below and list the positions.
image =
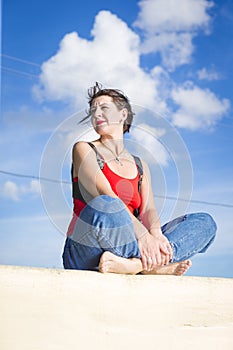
(105, 115)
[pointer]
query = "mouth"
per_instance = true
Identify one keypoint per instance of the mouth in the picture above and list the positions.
(99, 122)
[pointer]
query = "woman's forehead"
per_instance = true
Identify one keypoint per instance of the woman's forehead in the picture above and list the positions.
(102, 99)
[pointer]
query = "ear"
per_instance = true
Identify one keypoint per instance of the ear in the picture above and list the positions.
(124, 114)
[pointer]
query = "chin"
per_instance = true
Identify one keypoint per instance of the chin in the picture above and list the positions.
(102, 130)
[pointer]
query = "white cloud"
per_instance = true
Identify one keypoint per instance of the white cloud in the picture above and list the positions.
(204, 74)
(10, 190)
(147, 137)
(34, 187)
(14, 192)
(170, 27)
(198, 108)
(112, 57)
(175, 49)
(158, 15)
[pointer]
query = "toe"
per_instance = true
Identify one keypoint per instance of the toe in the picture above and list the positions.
(104, 268)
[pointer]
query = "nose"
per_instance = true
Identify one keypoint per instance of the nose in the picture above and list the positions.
(98, 111)
(96, 114)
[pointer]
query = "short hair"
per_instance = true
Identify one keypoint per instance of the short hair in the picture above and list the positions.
(120, 100)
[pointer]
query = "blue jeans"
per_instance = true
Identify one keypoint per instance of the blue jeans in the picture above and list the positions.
(105, 225)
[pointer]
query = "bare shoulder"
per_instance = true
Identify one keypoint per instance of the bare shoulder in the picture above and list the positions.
(81, 148)
(83, 154)
(84, 145)
(80, 145)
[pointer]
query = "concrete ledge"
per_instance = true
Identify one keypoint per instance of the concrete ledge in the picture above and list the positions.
(57, 309)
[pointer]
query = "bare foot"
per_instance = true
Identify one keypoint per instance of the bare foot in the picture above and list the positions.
(177, 269)
(110, 262)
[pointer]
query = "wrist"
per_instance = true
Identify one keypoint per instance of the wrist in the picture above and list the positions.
(142, 235)
(155, 231)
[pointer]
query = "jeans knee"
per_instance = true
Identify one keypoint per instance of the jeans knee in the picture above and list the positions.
(210, 224)
(105, 212)
(106, 204)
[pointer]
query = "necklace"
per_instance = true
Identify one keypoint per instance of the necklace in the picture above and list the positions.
(116, 158)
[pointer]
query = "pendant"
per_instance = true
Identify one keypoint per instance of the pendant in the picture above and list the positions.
(118, 161)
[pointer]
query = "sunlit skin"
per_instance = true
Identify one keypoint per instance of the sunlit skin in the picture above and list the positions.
(110, 263)
(154, 247)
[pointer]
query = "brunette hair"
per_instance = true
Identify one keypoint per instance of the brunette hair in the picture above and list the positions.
(121, 101)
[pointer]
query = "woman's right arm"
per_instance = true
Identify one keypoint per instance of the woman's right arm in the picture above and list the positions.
(86, 168)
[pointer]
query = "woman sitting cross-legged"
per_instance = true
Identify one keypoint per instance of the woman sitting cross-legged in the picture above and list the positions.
(111, 191)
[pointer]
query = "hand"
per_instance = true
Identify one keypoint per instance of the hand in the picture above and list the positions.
(165, 249)
(155, 250)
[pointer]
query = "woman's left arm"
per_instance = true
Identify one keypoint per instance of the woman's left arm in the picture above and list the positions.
(150, 219)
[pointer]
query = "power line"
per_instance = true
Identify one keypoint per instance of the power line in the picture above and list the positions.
(13, 58)
(19, 72)
(197, 201)
(157, 196)
(34, 177)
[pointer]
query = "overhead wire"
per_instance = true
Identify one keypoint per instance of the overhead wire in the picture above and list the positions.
(40, 178)
(13, 58)
(19, 72)
(34, 177)
(25, 74)
(68, 182)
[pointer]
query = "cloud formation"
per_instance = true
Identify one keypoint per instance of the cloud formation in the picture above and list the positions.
(113, 57)
(169, 28)
(148, 137)
(14, 192)
(197, 108)
(210, 75)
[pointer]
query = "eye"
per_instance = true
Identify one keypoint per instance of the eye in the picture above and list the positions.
(92, 110)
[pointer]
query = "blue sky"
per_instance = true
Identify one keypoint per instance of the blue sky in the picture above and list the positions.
(174, 63)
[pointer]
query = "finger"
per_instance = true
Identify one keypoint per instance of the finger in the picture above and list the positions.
(158, 258)
(169, 258)
(165, 256)
(166, 259)
(165, 250)
(171, 253)
(144, 262)
(169, 248)
(149, 263)
(154, 261)
(163, 259)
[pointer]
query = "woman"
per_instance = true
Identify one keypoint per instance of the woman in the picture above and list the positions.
(115, 226)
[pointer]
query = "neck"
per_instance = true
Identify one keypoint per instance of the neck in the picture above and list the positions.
(116, 145)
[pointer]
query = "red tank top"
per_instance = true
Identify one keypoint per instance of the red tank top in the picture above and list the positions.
(125, 189)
